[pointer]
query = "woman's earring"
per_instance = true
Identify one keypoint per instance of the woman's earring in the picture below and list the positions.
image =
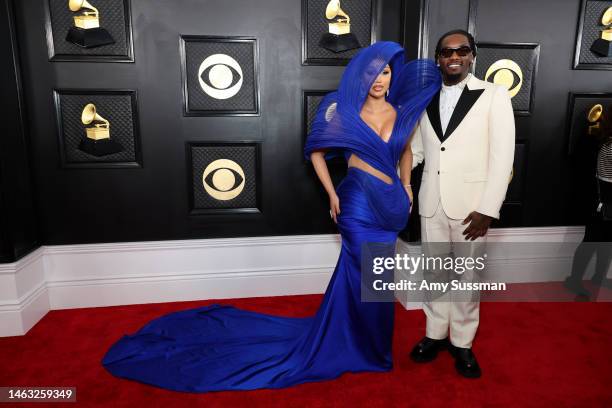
(387, 93)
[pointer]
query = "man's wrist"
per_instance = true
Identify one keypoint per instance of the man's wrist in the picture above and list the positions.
(490, 214)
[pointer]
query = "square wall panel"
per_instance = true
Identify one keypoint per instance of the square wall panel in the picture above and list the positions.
(219, 76)
(224, 177)
(83, 35)
(589, 36)
(97, 128)
(581, 106)
(322, 47)
(513, 66)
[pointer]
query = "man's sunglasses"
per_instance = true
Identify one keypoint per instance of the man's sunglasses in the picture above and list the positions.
(461, 51)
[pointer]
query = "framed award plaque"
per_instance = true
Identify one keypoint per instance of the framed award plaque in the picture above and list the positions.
(89, 30)
(333, 30)
(97, 128)
(594, 36)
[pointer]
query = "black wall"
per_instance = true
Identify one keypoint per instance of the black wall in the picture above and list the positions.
(151, 203)
(18, 234)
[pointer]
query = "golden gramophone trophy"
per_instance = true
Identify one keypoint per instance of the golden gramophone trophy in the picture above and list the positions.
(339, 38)
(603, 45)
(594, 118)
(87, 32)
(98, 141)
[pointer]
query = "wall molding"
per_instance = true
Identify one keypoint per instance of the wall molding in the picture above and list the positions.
(472, 14)
(110, 274)
(23, 294)
(424, 29)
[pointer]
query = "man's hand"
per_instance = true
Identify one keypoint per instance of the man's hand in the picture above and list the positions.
(479, 225)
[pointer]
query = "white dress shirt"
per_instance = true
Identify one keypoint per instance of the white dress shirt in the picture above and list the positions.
(449, 95)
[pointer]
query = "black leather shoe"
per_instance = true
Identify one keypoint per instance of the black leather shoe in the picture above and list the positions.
(465, 362)
(575, 286)
(427, 349)
(603, 282)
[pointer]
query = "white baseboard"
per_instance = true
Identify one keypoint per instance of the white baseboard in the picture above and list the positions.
(23, 294)
(77, 276)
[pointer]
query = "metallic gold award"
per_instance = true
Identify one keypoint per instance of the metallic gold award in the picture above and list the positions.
(339, 37)
(98, 141)
(87, 32)
(594, 118)
(603, 45)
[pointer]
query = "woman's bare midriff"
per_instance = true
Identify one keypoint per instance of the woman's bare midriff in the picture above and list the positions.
(355, 161)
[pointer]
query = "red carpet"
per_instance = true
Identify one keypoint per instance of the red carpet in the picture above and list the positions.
(540, 355)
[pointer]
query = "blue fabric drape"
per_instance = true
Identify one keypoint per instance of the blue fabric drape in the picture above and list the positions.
(338, 127)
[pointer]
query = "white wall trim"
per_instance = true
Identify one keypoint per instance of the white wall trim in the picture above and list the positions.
(23, 294)
(12, 268)
(192, 243)
(108, 274)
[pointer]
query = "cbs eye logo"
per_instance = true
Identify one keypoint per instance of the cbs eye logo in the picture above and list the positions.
(507, 73)
(223, 179)
(220, 76)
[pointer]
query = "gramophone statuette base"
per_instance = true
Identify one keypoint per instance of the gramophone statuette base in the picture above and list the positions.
(100, 148)
(339, 43)
(602, 47)
(90, 38)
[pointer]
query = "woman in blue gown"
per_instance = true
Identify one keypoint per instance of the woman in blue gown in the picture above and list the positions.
(220, 347)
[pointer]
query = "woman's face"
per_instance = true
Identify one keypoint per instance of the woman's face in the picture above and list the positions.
(381, 84)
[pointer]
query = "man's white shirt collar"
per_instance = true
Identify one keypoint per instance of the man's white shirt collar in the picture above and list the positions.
(459, 85)
(449, 96)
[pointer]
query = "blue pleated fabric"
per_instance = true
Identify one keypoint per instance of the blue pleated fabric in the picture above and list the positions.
(220, 347)
(338, 127)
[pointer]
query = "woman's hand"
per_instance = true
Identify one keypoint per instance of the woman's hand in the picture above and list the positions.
(318, 161)
(334, 206)
(410, 195)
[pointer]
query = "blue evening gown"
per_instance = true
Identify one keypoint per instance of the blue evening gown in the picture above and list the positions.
(220, 347)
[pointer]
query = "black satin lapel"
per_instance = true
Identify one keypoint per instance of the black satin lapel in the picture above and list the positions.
(467, 99)
(433, 112)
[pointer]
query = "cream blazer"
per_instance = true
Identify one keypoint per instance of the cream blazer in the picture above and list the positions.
(468, 168)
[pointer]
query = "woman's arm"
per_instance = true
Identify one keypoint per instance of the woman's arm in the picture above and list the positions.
(405, 166)
(318, 162)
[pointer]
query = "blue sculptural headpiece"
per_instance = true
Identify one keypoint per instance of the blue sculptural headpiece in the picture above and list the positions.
(338, 127)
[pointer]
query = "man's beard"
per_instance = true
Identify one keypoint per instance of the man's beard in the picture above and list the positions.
(453, 78)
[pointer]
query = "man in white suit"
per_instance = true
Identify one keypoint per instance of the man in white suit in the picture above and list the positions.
(467, 140)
